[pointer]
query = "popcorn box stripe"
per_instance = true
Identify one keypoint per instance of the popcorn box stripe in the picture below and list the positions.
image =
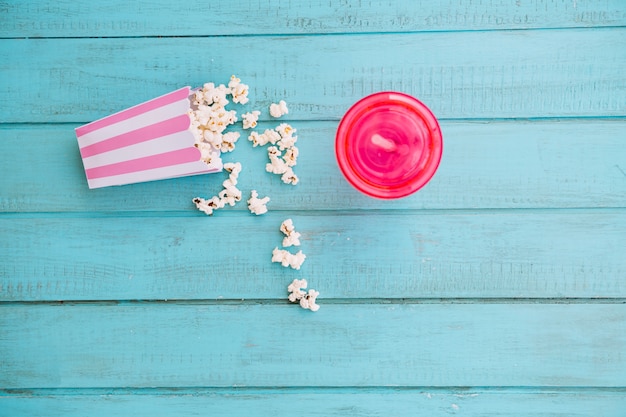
(136, 122)
(174, 96)
(153, 131)
(172, 171)
(180, 156)
(147, 142)
(175, 141)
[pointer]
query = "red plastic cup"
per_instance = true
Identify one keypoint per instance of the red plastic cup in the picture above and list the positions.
(388, 145)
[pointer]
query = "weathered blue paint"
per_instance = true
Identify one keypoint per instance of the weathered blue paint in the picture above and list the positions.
(498, 289)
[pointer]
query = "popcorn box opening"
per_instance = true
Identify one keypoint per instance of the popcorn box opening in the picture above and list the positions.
(147, 142)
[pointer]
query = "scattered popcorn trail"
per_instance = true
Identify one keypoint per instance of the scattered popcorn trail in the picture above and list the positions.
(297, 293)
(257, 205)
(229, 195)
(208, 121)
(278, 109)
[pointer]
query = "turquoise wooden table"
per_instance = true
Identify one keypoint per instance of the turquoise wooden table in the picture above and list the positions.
(499, 289)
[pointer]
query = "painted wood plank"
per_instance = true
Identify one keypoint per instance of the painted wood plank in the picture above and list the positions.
(489, 254)
(327, 402)
(541, 164)
(509, 74)
(179, 345)
(228, 17)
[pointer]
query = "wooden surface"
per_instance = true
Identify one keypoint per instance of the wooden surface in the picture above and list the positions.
(497, 290)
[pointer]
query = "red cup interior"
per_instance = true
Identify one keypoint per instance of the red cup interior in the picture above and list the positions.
(388, 145)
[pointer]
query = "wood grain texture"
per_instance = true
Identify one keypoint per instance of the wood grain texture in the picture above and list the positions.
(495, 254)
(497, 290)
(508, 74)
(233, 17)
(517, 164)
(328, 402)
(178, 345)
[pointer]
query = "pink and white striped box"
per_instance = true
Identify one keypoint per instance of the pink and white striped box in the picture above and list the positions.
(147, 142)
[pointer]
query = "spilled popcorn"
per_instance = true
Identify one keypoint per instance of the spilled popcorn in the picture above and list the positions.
(297, 293)
(229, 195)
(209, 118)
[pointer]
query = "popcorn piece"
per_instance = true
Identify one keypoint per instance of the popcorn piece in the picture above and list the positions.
(288, 259)
(277, 165)
(228, 141)
(272, 152)
(198, 97)
(278, 110)
(291, 156)
(215, 95)
(308, 301)
(208, 206)
(271, 136)
(285, 130)
(295, 289)
(286, 142)
(212, 138)
(287, 139)
(234, 168)
(230, 182)
(250, 119)
(257, 205)
(292, 238)
(238, 90)
(287, 227)
(289, 177)
(280, 255)
(296, 260)
(256, 139)
(234, 81)
(230, 195)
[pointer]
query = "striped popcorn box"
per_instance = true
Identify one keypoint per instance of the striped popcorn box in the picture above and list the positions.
(147, 142)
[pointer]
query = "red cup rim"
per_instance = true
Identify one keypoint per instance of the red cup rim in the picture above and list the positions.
(388, 113)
